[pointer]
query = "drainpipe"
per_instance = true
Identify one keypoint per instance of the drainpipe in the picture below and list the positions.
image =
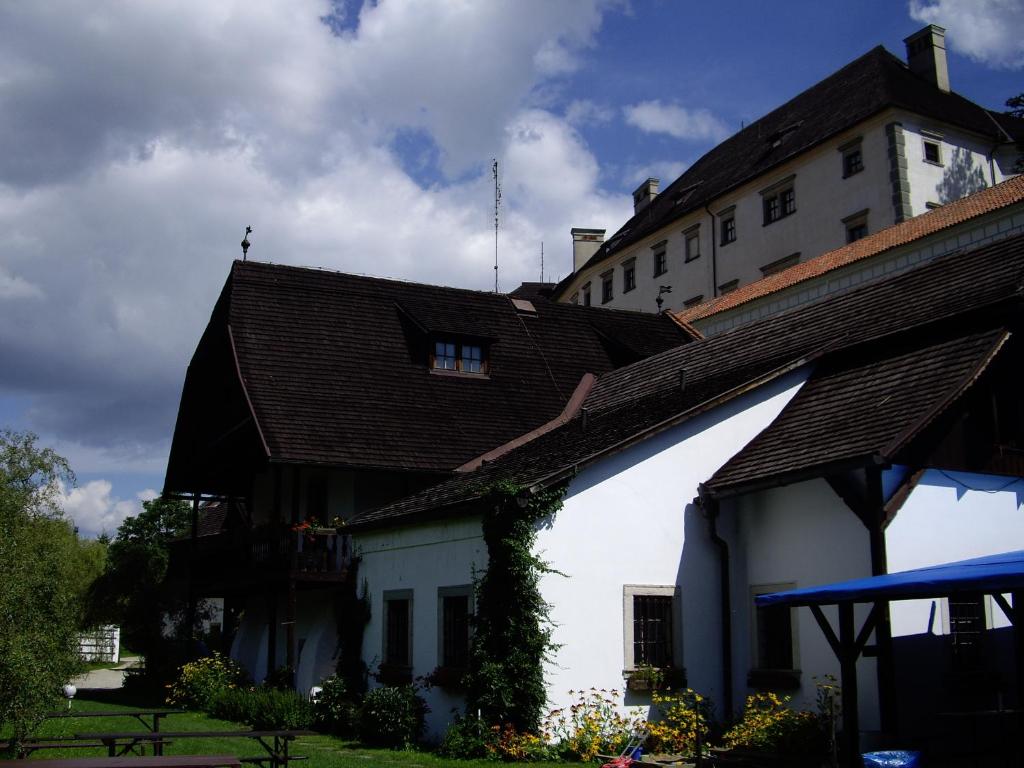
(714, 255)
(709, 507)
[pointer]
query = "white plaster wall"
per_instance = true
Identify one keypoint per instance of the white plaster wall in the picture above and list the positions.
(629, 519)
(802, 534)
(422, 558)
(951, 516)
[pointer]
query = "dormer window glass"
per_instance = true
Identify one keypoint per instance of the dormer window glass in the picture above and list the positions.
(463, 357)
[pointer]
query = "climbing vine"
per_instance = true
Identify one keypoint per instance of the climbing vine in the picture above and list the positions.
(512, 637)
(352, 614)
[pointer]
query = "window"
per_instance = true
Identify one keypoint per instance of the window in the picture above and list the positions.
(932, 152)
(607, 290)
(775, 648)
(728, 227)
(967, 622)
(778, 201)
(693, 301)
(692, 243)
(856, 225)
(629, 276)
(732, 285)
(455, 606)
(398, 628)
(853, 158)
(780, 264)
(462, 356)
(575, 298)
(586, 295)
(660, 254)
(652, 626)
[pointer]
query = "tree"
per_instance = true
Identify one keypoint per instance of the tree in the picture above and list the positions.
(133, 590)
(39, 611)
(1016, 109)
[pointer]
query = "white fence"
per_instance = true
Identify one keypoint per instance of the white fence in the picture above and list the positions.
(101, 644)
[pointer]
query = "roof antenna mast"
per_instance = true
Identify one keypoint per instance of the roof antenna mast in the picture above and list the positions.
(246, 243)
(497, 206)
(542, 261)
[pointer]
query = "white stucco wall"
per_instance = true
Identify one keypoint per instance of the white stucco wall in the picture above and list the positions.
(423, 559)
(951, 516)
(804, 535)
(630, 520)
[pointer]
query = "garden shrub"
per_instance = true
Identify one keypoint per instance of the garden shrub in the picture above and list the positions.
(769, 724)
(510, 745)
(682, 715)
(200, 682)
(392, 716)
(335, 710)
(466, 738)
(263, 708)
(592, 725)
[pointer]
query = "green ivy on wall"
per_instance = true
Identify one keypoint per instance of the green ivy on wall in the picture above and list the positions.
(512, 632)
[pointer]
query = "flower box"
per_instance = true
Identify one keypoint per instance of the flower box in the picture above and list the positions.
(655, 679)
(394, 674)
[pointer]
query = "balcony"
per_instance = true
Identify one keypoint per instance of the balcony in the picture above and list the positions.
(262, 554)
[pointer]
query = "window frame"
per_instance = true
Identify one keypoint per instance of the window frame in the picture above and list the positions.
(460, 346)
(854, 222)
(607, 286)
(691, 235)
(779, 265)
(394, 596)
(443, 593)
(585, 291)
(659, 257)
(629, 275)
(727, 227)
(778, 201)
(632, 591)
(932, 139)
(773, 677)
(850, 150)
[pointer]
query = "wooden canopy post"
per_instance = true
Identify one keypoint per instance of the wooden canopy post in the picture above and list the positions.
(271, 632)
(290, 630)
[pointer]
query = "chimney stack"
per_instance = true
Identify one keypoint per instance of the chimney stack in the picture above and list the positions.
(926, 56)
(644, 194)
(585, 243)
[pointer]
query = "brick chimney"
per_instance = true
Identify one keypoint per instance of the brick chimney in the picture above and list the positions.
(644, 194)
(926, 56)
(585, 243)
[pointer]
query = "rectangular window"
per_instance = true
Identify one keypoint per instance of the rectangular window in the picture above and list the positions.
(728, 230)
(856, 225)
(450, 355)
(660, 253)
(652, 626)
(932, 152)
(607, 289)
(629, 276)
(780, 264)
(586, 295)
(775, 647)
(455, 607)
(693, 301)
(853, 162)
(398, 628)
(778, 201)
(691, 244)
(966, 625)
(732, 285)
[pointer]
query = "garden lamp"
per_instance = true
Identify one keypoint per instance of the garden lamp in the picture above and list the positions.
(69, 693)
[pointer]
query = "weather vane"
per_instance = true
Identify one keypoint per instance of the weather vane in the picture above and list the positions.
(662, 289)
(246, 243)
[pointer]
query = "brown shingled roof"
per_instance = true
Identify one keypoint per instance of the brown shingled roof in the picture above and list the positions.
(992, 199)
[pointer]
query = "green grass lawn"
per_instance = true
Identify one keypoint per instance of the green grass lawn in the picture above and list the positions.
(325, 751)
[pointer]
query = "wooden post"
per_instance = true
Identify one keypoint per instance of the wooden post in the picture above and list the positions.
(886, 667)
(290, 629)
(848, 671)
(1018, 644)
(190, 609)
(271, 633)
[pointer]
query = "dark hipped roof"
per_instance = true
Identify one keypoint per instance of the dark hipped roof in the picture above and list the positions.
(936, 309)
(336, 367)
(863, 88)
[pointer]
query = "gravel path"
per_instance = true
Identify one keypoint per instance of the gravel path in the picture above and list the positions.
(106, 678)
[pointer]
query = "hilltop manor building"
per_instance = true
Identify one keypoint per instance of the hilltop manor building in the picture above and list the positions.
(872, 145)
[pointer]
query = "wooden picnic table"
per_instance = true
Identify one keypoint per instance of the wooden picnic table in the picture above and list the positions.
(277, 749)
(155, 715)
(135, 761)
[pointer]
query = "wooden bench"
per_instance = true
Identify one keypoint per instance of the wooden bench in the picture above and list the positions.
(274, 742)
(136, 761)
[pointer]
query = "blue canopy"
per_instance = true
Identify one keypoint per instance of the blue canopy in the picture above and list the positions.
(989, 574)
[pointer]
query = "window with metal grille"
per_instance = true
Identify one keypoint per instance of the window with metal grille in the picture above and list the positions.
(396, 642)
(966, 623)
(652, 630)
(455, 631)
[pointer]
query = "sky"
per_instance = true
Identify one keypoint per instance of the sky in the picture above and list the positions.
(138, 140)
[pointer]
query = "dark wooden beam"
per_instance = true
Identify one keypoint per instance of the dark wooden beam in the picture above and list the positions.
(848, 672)
(290, 630)
(826, 630)
(271, 633)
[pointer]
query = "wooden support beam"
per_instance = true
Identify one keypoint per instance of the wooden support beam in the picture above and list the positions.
(1018, 642)
(848, 681)
(875, 516)
(826, 630)
(271, 633)
(1004, 607)
(290, 629)
(870, 624)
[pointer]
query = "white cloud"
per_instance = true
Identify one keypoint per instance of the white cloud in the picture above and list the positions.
(988, 31)
(676, 121)
(666, 171)
(140, 139)
(94, 510)
(583, 111)
(14, 287)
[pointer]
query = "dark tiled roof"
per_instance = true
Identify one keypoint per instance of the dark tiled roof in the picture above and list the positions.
(861, 89)
(533, 291)
(336, 365)
(664, 388)
(855, 409)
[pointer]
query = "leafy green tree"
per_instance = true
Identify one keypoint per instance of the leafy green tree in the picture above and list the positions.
(1016, 109)
(39, 610)
(133, 590)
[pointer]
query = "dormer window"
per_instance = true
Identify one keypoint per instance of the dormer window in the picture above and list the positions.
(460, 356)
